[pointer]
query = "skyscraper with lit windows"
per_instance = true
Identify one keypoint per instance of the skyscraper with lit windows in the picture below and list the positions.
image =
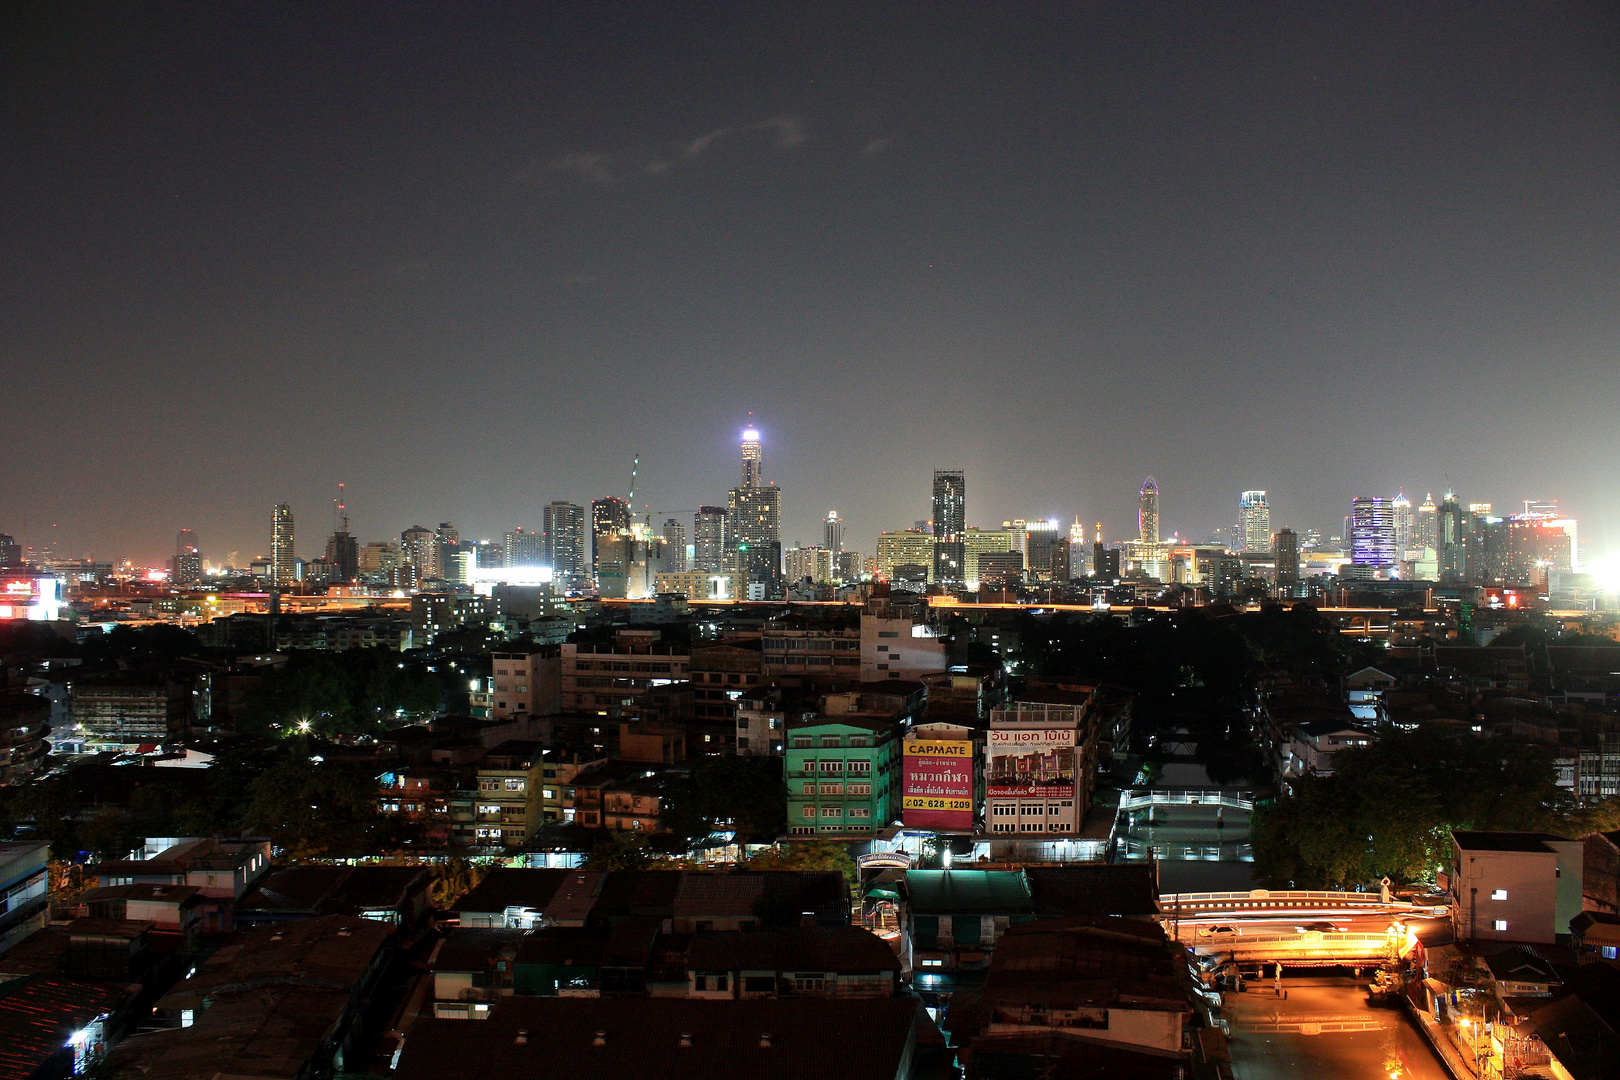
(1147, 511)
(1372, 536)
(950, 523)
(1254, 522)
(566, 549)
(709, 539)
(283, 557)
(754, 522)
(188, 560)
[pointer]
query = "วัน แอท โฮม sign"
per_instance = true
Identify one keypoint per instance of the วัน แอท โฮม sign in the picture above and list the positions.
(1031, 762)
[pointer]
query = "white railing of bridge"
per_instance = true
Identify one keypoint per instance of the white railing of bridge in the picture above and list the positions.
(1136, 798)
(1266, 899)
(1231, 851)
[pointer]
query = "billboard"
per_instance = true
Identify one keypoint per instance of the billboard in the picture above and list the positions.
(936, 789)
(1030, 763)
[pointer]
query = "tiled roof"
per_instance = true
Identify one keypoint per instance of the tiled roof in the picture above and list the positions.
(505, 887)
(39, 1013)
(642, 1039)
(820, 948)
(717, 895)
(1094, 889)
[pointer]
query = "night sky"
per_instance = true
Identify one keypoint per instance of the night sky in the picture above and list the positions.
(471, 258)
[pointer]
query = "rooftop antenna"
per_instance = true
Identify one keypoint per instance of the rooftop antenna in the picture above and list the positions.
(340, 512)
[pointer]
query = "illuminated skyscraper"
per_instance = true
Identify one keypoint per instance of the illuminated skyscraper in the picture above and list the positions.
(1147, 512)
(674, 547)
(950, 522)
(1405, 525)
(420, 553)
(754, 521)
(833, 534)
(709, 539)
(1426, 530)
(524, 548)
(1254, 522)
(188, 560)
(283, 558)
(1455, 525)
(566, 549)
(1372, 535)
(1079, 550)
(1287, 560)
(753, 459)
(609, 518)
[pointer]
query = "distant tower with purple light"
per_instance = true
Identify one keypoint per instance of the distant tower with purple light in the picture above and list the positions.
(753, 536)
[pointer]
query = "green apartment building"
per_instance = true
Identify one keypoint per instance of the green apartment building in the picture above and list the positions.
(843, 775)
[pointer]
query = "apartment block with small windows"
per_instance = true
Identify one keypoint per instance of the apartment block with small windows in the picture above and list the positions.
(801, 646)
(507, 806)
(605, 676)
(843, 775)
(526, 683)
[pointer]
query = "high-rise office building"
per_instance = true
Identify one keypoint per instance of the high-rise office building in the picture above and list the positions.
(813, 563)
(832, 533)
(188, 560)
(850, 566)
(567, 551)
(1047, 544)
(754, 521)
(283, 556)
(1079, 550)
(1372, 535)
(754, 533)
(446, 546)
(1287, 557)
(1426, 526)
(1147, 512)
(709, 539)
(10, 551)
(342, 557)
(610, 517)
(977, 542)
(753, 459)
(674, 547)
(1254, 523)
(522, 547)
(1405, 524)
(1454, 527)
(420, 552)
(379, 559)
(950, 522)
(908, 549)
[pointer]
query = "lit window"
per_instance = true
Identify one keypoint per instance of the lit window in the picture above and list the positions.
(1500, 924)
(1499, 894)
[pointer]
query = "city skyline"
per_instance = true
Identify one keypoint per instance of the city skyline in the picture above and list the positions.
(316, 539)
(262, 255)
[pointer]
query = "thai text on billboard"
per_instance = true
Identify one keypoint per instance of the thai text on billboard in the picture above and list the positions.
(937, 785)
(1030, 763)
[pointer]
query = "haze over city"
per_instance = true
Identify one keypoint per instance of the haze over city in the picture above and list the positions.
(469, 261)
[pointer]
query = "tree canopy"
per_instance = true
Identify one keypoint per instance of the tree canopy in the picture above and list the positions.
(1387, 808)
(744, 794)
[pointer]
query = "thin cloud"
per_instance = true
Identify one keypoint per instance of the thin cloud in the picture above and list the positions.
(588, 165)
(704, 142)
(656, 168)
(789, 130)
(876, 146)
